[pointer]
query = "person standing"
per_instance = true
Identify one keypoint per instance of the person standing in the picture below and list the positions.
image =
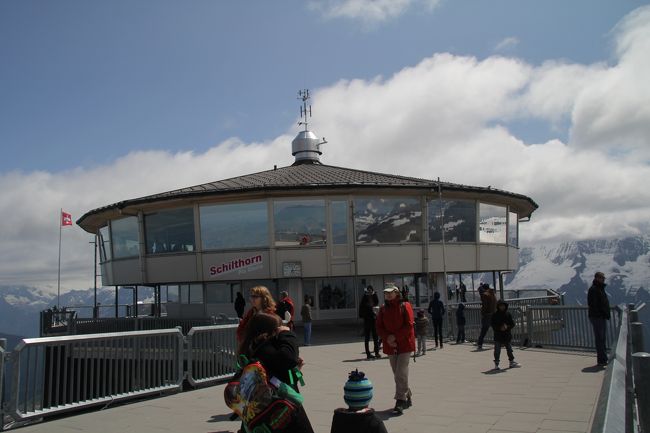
(305, 314)
(437, 311)
(262, 302)
(502, 323)
(460, 323)
(240, 305)
(488, 307)
(599, 314)
(395, 327)
(367, 313)
(463, 292)
(421, 326)
(275, 346)
(285, 309)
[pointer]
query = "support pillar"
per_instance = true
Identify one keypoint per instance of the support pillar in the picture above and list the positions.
(641, 368)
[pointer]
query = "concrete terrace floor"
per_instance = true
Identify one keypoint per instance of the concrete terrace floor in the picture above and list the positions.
(453, 391)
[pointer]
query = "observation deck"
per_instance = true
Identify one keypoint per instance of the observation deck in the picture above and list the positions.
(455, 389)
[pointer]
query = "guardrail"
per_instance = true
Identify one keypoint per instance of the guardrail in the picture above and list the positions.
(211, 354)
(58, 374)
(566, 327)
(3, 343)
(624, 402)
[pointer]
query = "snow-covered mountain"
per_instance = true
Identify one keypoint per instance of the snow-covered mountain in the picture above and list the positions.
(570, 267)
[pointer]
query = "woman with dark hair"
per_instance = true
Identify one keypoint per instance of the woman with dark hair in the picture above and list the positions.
(276, 347)
(261, 301)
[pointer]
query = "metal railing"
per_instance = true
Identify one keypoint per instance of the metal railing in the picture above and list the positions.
(57, 374)
(211, 354)
(88, 325)
(3, 342)
(624, 402)
(566, 327)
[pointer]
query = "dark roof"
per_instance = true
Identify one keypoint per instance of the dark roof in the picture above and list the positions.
(303, 176)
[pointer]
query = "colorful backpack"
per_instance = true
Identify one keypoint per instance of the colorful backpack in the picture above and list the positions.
(265, 404)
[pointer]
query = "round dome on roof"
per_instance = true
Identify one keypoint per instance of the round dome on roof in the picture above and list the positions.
(306, 147)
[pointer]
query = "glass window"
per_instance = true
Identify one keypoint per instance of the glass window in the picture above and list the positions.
(492, 224)
(387, 220)
(299, 222)
(459, 220)
(236, 225)
(170, 231)
(513, 234)
(336, 293)
(124, 237)
(104, 244)
(173, 294)
(222, 293)
(339, 220)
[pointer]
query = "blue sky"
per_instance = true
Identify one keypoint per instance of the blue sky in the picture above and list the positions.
(105, 101)
(85, 82)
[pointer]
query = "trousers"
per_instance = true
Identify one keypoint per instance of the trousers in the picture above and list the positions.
(399, 363)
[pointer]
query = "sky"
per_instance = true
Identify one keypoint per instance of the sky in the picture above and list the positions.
(106, 101)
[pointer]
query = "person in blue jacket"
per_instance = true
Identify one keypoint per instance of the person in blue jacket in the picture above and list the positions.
(437, 311)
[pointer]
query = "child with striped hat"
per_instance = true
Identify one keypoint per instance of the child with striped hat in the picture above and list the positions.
(358, 417)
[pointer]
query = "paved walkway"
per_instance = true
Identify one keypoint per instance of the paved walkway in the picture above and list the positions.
(453, 391)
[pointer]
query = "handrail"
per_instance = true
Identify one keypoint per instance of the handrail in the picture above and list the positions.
(211, 354)
(58, 374)
(3, 342)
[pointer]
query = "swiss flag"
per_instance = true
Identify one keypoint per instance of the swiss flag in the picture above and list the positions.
(66, 219)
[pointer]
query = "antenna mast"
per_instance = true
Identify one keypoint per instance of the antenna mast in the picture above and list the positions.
(304, 108)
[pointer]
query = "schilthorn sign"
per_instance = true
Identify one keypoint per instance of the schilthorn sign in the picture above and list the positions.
(240, 265)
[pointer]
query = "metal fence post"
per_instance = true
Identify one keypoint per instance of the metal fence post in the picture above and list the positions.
(3, 345)
(632, 313)
(636, 332)
(641, 371)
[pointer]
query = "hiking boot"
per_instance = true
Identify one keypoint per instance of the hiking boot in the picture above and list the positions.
(369, 356)
(514, 364)
(377, 355)
(496, 366)
(400, 405)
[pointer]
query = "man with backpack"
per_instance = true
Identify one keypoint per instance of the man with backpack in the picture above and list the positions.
(395, 327)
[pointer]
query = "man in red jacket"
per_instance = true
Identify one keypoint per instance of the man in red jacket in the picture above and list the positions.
(395, 327)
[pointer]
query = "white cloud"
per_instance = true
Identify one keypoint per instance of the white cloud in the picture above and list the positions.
(507, 44)
(446, 116)
(368, 11)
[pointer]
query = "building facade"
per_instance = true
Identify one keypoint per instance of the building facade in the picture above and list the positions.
(311, 229)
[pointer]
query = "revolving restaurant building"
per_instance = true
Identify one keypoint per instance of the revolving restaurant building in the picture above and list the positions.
(311, 229)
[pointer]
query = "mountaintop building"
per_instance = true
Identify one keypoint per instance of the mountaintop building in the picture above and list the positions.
(312, 229)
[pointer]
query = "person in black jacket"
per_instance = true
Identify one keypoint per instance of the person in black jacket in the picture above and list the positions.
(502, 323)
(367, 313)
(437, 311)
(240, 305)
(276, 347)
(599, 313)
(460, 323)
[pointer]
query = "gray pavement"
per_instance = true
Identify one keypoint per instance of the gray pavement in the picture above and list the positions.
(453, 391)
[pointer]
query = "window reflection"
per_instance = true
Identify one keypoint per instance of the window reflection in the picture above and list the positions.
(222, 293)
(299, 222)
(124, 237)
(335, 293)
(104, 244)
(492, 224)
(170, 231)
(387, 220)
(459, 220)
(237, 225)
(183, 293)
(513, 234)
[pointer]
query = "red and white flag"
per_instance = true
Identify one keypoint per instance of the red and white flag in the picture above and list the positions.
(66, 219)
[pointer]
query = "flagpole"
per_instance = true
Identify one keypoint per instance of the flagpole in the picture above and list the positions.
(58, 283)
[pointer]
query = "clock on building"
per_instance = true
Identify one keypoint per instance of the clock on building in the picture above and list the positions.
(291, 269)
